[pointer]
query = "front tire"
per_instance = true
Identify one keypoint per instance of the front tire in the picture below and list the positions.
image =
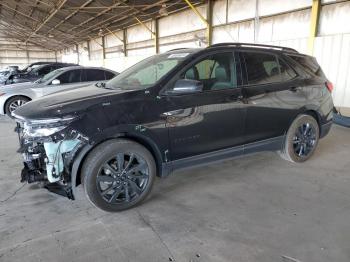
(15, 102)
(118, 174)
(301, 139)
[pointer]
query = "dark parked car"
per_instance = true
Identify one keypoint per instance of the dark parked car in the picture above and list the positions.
(174, 110)
(5, 74)
(33, 65)
(35, 73)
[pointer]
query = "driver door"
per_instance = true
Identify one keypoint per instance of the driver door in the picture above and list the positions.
(212, 119)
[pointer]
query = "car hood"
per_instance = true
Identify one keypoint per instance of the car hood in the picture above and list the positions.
(16, 87)
(72, 102)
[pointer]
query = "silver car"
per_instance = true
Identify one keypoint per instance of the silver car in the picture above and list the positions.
(15, 95)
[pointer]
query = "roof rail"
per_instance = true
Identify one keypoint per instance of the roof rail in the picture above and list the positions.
(282, 48)
(183, 48)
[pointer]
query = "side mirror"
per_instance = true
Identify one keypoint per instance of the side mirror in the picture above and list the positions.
(100, 84)
(186, 86)
(55, 82)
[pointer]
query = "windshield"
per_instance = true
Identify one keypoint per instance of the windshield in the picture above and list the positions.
(52, 75)
(147, 73)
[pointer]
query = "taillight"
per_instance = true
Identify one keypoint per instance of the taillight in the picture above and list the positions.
(329, 86)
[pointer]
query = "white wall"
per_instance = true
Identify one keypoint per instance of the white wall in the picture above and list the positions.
(285, 23)
(13, 53)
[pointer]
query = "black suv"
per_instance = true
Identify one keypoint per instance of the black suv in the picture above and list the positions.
(174, 110)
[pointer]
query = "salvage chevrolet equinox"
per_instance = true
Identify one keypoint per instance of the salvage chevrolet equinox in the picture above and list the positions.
(178, 109)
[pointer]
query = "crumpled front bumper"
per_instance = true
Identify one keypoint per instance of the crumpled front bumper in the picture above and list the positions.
(49, 160)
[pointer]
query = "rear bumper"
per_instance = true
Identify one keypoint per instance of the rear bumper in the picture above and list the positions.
(325, 128)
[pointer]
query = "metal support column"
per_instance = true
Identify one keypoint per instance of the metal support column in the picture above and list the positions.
(208, 25)
(27, 54)
(315, 15)
(125, 42)
(103, 48)
(77, 50)
(256, 22)
(88, 49)
(157, 35)
(209, 22)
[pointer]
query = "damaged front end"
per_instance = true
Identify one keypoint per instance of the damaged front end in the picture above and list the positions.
(48, 148)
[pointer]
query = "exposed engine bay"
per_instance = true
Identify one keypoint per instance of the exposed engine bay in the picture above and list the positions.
(48, 148)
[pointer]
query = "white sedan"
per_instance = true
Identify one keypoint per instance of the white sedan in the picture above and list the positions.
(67, 78)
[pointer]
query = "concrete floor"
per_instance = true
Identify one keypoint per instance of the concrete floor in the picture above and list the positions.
(257, 208)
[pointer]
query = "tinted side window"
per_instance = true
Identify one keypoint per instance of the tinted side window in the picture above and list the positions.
(72, 76)
(94, 74)
(45, 70)
(262, 68)
(109, 75)
(287, 73)
(309, 64)
(216, 72)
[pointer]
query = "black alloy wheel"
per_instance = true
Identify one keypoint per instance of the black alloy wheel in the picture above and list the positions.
(122, 178)
(301, 139)
(118, 174)
(304, 139)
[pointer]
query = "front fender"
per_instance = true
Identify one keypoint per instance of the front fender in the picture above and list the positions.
(77, 163)
(131, 132)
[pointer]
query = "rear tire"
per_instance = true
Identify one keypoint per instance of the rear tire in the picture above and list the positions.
(13, 103)
(118, 174)
(301, 139)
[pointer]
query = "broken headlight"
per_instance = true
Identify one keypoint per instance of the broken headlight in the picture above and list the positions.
(45, 127)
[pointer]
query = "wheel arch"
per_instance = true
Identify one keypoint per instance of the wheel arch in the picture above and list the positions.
(315, 115)
(142, 140)
(7, 100)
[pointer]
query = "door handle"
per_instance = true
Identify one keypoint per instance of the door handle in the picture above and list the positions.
(174, 112)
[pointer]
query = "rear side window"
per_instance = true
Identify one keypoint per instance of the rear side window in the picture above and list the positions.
(109, 75)
(287, 72)
(72, 76)
(94, 75)
(45, 70)
(216, 72)
(264, 68)
(309, 63)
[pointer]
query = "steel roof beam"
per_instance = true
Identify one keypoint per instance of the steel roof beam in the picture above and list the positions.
(70, 15)
(52, 13)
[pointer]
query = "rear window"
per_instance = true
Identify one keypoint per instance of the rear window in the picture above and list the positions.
(109, 75)
(95, 75)
(263, 68)
(309, 63)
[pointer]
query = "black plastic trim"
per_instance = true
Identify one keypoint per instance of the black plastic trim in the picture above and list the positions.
(271, 144)
(325, 128)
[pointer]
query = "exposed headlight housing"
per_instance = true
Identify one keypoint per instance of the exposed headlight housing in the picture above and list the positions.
(45, 127)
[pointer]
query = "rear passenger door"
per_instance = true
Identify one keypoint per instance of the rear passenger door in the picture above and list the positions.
(272, 94)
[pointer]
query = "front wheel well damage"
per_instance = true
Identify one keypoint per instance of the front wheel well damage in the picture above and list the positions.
(148, 145)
